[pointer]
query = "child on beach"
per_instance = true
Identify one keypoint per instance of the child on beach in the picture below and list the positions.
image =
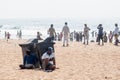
(110, 36)
(105, 37)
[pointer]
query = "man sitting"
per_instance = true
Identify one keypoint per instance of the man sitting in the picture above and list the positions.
(30, 60)
(48, 60)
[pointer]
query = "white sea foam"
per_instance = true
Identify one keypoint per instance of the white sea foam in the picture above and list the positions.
(31, 26)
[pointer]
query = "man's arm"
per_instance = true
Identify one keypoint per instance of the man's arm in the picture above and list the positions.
(54, 62)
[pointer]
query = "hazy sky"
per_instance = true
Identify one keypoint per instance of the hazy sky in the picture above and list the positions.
(59, 8)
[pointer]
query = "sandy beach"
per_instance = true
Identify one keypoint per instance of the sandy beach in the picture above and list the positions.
(76, 62)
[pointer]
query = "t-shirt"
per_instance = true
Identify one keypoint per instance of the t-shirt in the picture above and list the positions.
(30, 59)
(51, 31)
(45, 56)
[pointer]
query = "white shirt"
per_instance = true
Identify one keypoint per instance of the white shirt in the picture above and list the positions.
(86, 30)
(45, 55)
(116, 30)
(65, 30)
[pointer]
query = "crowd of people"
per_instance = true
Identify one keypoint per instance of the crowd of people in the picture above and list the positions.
(48, 58)
(80, 36)
(83, 36)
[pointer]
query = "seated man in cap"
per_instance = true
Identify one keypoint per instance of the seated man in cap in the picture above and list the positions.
(30, 61)
(48, 60)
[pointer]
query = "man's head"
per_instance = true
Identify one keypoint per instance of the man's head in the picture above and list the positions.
(28, 52)
(116, 25)
(50, 50)
(51, 25)
(65, 23)
(85, 25)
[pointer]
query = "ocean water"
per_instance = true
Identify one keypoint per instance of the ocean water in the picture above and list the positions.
(29, 27)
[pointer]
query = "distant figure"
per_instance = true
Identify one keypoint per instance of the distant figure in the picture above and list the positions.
(20, 34)
(17, 34)
(86, 34)
(96, 34)
(58, 37)
(38, 36)
(100, 34)
(5, 35)
(92, 33)
(48, 60)
(71, 36)
(105, 37)
(8, 35)
(81, 36)
(110, 36)
(61, 35)
(30, 60)
(65, 32)
(77, 36)
(52, 32)
(116, 34)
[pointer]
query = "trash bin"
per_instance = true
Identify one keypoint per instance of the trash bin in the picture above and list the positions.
(39, 48)
(30, 44)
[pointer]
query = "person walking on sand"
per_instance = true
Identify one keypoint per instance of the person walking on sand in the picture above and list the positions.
(116, 34)
(52, 32)
(100, 34)
(65, 32)
(86, 34)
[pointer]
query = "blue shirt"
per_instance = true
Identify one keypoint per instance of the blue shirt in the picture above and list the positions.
(100, 30)
(30, 59)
